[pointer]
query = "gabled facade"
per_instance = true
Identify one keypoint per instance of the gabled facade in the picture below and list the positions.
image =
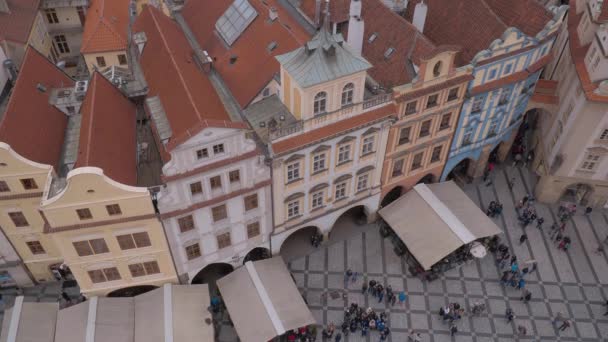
(328, 160)
(28, 157)
(572, 140)
(215, 203)
(104, 224)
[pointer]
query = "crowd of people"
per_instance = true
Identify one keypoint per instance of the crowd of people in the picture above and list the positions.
(494, 209)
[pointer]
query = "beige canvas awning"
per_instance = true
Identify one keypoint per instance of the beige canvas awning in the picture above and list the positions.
(263, 300)
(436, 219)
(29, 322)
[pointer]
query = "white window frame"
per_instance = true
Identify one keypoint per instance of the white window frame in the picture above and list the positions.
(320, 103)
(362, 182)
(293, 171)
(344, 153)
(293, 208)
(341, 190)
(317, 199)
(319, 162)
(368, 144)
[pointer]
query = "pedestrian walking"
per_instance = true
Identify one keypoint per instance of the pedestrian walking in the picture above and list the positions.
(565, 325)
(527, 295)
(347, 275)
(402, 297)
(523, 238)
(372, 287)
(588, 210)
(509, 315)
(511, 183)
(521, 330)
(558, 318)
(539, 223)
(517, 159)
(453, 330)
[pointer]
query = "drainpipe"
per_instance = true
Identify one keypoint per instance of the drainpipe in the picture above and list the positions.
(162, 224)
(269, 160)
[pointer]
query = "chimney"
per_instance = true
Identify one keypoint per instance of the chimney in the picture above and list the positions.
(399, 5)
(317, 12)
(420, 15)
(356, 27)
(273, 14)
(140, 39)
(4, 7)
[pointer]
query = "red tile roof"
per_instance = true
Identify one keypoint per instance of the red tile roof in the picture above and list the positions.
(17, 25)
(33, 127)
(106, 26)
(255, 65)
(391, 32)
(578, 52)
(333, 130)
(107, 132)
(474, 24)
(603, 17)
(188, 97)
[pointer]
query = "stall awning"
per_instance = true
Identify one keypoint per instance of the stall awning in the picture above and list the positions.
(435, 220)
(29, 322)
(263, 300)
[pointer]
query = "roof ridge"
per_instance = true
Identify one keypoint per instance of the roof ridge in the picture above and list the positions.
(88, 41)
(92, 89)
(105, 22)
(179, 72)
(489, 8)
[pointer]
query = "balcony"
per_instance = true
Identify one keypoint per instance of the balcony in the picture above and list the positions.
(64, 3)
(330, 117)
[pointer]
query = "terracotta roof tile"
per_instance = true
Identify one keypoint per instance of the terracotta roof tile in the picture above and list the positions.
(33, 127)
(338, 9)
(187, 95)
(255, 66)
(17, 25)
(107, 132)
(474, 24)
(603, 17)
(106, 26)
(335, 129)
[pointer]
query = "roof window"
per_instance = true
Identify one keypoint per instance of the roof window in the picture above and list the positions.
(372, 37)
(273, 45)
(235, 20)
(389, 52)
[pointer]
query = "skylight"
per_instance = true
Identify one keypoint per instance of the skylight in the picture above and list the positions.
(389, 52)
(372, 37)
(235, 20)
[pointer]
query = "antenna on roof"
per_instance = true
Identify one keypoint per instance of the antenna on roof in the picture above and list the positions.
(326, 17)
(41, 88)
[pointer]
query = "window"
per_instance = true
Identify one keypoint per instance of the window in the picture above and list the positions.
(368, 145)
(101, 62)
(62, 44)
(492, 74)
(590, 162)
(18, 219)
(404, 135)
(193, 251)
(595, 63)
(466, 140)
(293, 171)
(185, 223)
(477, 103)
(218, 149)
(340, 190)
(219, 213)
(29, 184)
(122, 59)
(223, 240)
(504, 96)
(4, 187)
(432, 101)
(253, 230)
(437, 69)
(372, 37)
(362, 182)
(84, 214)
(318, 162)
(343, 154)
(417, 161)
(143, 269)
(317, 199)
(453, 94)
(251, 202)
(436, 155)
(215, 182)
(113, 209)
(130, 241)
(235, 20)
(196, 188)
(397, 168)
(35, 247)
(507, 69)
(51, 16)
(320, 103)
(410, 108)
(389, 52)
(104, 274)
(493, 129)
(90, 247)
(425, 129)
(293, 208)
(347, 94)
(445, 121)
(234, 176)
(604, 135)
(202, 153)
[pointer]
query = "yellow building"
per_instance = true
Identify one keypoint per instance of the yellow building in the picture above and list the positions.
(104, 40)
(28, 154)
(103, 223)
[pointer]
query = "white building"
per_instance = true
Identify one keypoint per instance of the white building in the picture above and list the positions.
(215, 204)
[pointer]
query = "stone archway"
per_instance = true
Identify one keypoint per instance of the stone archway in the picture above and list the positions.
(349, 223)
(258, 253)
(579, 193)
(298, 243)
(212, 272)
(429, 178)
(462, 171)
(132, 291)
(391, 196)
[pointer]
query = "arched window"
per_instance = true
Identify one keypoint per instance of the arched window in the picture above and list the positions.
(320, 103)
(347, 94)
(437, 69)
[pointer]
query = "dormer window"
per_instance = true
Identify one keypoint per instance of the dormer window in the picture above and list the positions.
(320, 104)
(347, 94)
(389, 52)
(372, 37)
(437, 69)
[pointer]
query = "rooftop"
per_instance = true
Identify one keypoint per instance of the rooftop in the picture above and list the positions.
(31, 125)
(106, 26)
(267, 115)
(107, 132)
(17, 25)
(246, 65)
(188, 100)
